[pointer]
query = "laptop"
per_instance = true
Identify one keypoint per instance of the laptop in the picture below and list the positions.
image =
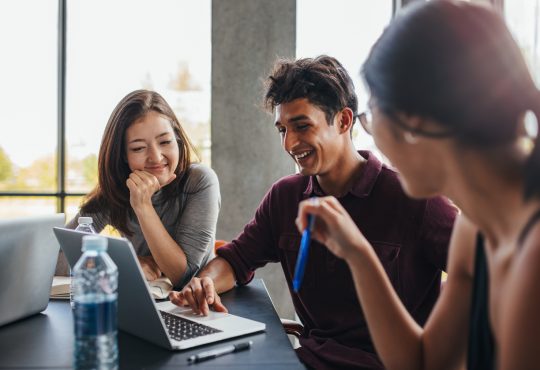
(28, 255)
(164, 323)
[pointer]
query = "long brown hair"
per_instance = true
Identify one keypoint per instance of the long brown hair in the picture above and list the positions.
(111, 194)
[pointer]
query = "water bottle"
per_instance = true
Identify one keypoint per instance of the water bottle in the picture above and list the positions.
(85, 225)
(95, 278)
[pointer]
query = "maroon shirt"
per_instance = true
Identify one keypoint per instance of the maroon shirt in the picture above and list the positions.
(409, 236)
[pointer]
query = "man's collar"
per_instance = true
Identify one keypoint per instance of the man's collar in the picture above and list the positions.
(361, 187)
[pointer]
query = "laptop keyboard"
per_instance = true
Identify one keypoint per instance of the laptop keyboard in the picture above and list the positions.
(182, 329)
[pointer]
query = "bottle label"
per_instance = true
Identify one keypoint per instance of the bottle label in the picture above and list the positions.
(93, 319)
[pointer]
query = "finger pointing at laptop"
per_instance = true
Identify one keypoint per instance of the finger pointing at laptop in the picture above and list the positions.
(200, 294)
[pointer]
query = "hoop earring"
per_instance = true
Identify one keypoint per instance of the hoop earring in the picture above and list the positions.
(410, 138)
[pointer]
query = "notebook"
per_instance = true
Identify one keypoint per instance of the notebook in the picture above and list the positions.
(61, 287)
(28, 254)
(163, 323)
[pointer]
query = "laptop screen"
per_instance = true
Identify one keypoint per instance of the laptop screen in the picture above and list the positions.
(28, 255)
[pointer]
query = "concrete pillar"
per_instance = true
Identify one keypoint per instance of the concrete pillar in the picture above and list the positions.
(247, 37)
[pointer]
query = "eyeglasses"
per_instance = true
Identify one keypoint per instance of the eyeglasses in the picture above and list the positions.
(366, 120)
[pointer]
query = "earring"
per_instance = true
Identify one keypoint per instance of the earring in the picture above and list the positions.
(410, 138)
(529, 131)
(526, 144)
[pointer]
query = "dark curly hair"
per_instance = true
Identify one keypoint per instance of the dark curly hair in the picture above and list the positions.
(321, 80)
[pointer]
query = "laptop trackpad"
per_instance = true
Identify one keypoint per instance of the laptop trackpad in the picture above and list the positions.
(188, 313)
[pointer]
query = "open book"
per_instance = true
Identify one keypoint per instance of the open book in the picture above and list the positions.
(159, 288)
(60, 287)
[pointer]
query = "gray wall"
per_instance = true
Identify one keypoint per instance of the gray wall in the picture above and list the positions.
(247, 37)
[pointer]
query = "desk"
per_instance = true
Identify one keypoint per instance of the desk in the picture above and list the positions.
(46, 340)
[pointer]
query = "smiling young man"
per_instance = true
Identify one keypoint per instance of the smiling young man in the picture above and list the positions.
(315, 107)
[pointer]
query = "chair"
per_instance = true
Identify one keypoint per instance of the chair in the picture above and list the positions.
(219, 243)
(291, 327)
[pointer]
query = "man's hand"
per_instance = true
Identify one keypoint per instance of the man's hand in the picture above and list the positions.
(149, 267)
(200, 294)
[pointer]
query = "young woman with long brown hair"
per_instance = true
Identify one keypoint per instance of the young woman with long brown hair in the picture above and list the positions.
(152, 192)
(449, 93)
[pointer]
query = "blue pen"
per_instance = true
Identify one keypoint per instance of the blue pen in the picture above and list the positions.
(303, 254)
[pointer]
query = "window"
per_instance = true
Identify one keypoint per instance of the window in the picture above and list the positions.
(111, 52)
(346, 30)
(111, 49)
(28, 75)
(523, 19)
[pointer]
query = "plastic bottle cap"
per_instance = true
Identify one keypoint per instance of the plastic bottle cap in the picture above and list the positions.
(85, 220)
(94, 243)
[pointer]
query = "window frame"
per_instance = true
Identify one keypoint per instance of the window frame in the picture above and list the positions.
(61, 193)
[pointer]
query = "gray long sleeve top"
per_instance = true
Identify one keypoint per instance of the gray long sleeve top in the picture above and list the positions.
(190, 220)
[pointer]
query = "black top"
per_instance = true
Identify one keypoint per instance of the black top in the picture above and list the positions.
(481, 351)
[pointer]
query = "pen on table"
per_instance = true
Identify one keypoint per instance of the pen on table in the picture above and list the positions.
(207, 355)
(303, 254)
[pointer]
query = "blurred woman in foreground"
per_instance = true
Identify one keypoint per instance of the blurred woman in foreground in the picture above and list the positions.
(450, 93)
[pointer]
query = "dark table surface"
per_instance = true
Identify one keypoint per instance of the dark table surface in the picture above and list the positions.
(46, 340)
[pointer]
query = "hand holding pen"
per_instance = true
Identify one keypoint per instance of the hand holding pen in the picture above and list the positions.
(301, 260)
(334, 227)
